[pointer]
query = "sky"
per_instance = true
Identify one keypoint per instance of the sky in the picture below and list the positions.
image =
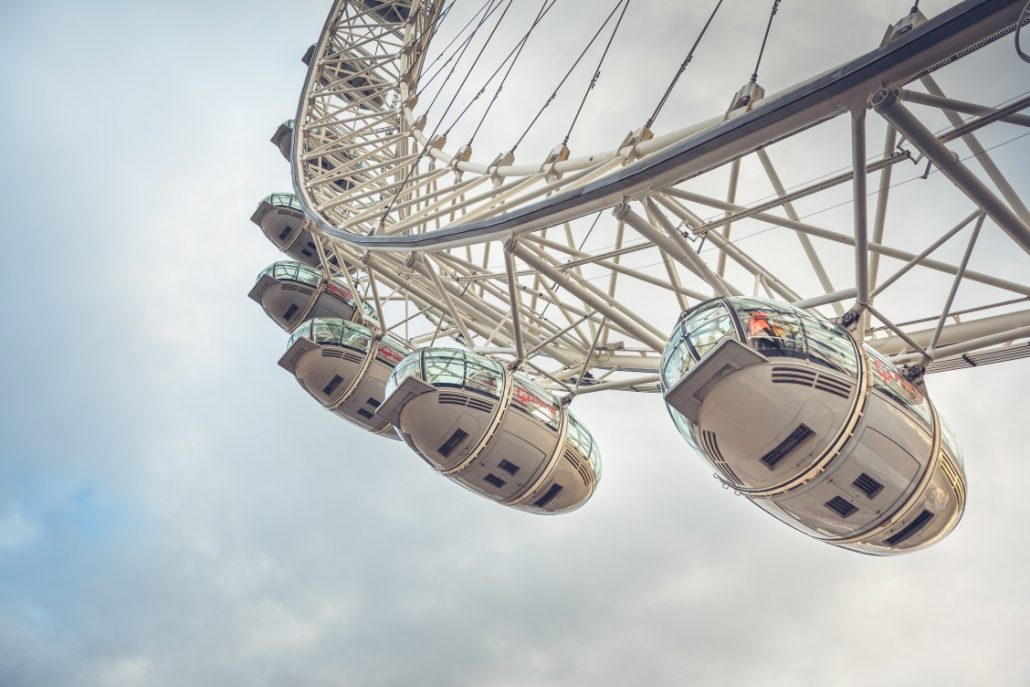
(174, 510)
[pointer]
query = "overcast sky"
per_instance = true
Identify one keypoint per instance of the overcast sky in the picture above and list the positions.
(174, 510)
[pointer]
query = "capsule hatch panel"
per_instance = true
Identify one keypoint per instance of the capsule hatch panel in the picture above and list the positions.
(410, 388)
(690, 390)
(294, 353)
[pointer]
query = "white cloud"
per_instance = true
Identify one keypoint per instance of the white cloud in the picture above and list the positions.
(273, 544)
(17, 530)
(133, 671)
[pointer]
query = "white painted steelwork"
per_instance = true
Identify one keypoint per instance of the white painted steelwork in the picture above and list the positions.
(500, 256)
(372, 181)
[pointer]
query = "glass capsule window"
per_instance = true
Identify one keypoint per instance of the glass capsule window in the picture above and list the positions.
(584, 441)
(676, 362)
(302, 331)
(951, 442)
(293, 271)
(409, 366)
(450, 367)
(685, 429)
(696, 334)
(335, 332)
(357, 338)
(829, 345)
(340, 291)
(771, 328)
(392, 350)
(536, 401)
(444, 367)
(889, 381)
(708, 327)
(284, 200)
(483, 375)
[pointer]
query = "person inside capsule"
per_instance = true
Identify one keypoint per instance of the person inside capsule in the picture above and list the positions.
(773, 333)
(822, 433)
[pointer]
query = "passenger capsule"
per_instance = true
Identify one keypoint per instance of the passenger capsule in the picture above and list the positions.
(292, 293)
(344, 366)
(283, 138)
(824, 434)
(281, 219)
(496, 433)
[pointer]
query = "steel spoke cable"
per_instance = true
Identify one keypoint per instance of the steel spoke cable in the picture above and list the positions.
(423, 82)
(871, 194)
(440, 20)
(734, 241)
(761, 51)
(494, 4)
(850, 200)
(511, 65)
(450, 104)
(566, 77)
(754, 77)
(683, 66)
(508, 60)
(431, 29)
(871, 158)
(956, 313)
(580, 249)
(472, 66)
(490, 6)
(597, 73)
(435, 27)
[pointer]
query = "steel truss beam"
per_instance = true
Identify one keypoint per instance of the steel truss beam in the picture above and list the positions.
(378, 190)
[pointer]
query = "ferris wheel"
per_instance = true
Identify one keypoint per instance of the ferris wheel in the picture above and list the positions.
(460, 297)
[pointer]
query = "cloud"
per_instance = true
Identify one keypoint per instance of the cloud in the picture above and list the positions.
(178, 511)
(16, 530)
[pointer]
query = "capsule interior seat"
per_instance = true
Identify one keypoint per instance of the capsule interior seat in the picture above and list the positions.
(344, 366)
(292, 293)
(824, 434)
(494, 432)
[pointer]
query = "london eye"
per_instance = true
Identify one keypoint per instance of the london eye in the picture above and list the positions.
(464, 263)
